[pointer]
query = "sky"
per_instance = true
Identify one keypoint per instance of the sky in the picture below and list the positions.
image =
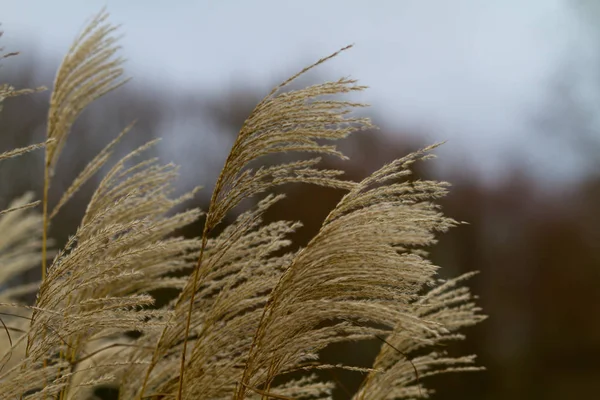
(475, 73)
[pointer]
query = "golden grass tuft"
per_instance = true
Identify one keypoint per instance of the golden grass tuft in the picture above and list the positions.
(248, 314)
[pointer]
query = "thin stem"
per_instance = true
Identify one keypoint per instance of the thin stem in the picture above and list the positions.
(189, 316)
(45, 224)
(44, 244)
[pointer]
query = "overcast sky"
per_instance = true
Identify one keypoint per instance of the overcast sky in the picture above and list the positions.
(474, 72)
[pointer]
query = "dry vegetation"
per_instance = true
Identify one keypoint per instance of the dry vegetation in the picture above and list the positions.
(250, 318)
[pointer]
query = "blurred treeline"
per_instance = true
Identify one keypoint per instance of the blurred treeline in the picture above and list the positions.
(538, 248)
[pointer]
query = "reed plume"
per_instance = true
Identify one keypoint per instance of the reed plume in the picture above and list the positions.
(251, 317)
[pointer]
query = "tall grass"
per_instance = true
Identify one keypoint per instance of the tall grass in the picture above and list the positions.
(250, 318)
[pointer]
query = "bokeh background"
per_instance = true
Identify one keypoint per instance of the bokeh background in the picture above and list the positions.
(513, 86)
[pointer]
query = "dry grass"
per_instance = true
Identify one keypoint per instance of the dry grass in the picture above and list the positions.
(248, 314)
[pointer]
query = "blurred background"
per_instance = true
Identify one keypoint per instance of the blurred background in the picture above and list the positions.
(513, 86)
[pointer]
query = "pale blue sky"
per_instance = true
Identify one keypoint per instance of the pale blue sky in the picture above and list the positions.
(474, 72)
